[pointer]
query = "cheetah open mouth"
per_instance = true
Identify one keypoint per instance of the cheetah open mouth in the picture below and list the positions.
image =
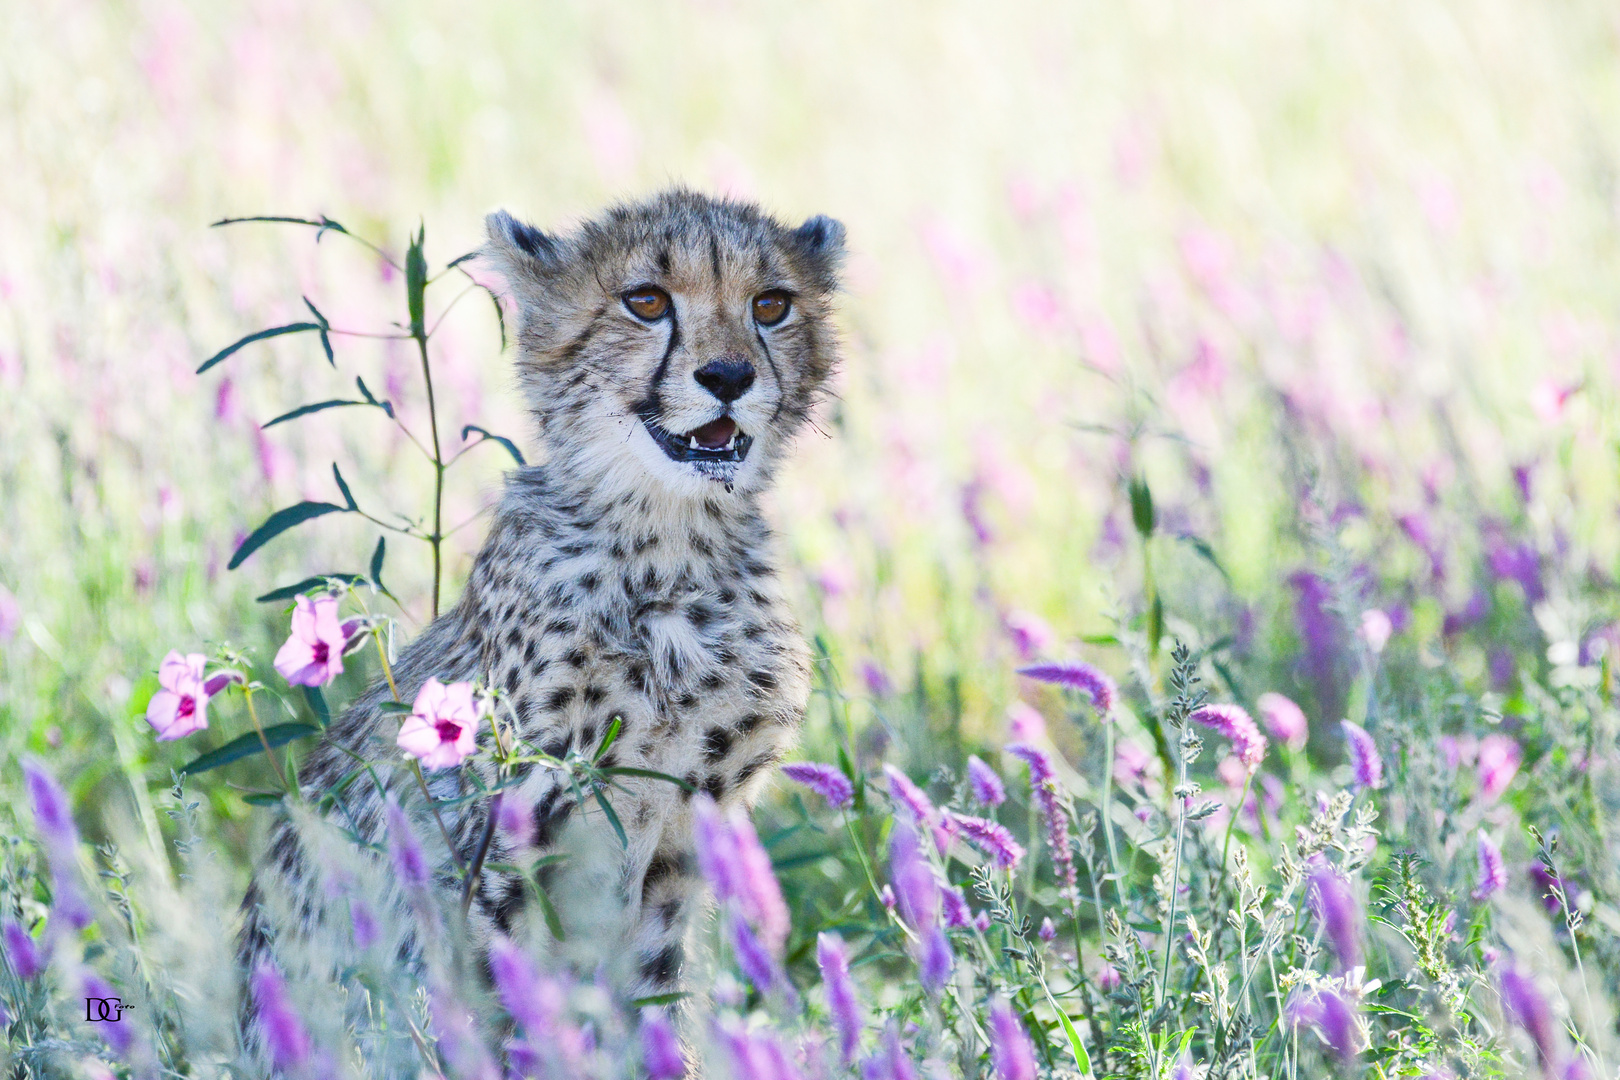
(718, 441)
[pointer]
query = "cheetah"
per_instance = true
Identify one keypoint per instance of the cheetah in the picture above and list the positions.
(669, 352)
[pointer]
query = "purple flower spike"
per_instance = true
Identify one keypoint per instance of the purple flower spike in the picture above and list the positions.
(842, 1003)
(954, 907)
(284, 1034)
(363, 923)
(739, 870)
(1074, 675)
(910, 796)
(119, 1036)
(661, 1055)
(1239, 728)
(53, 817)
(1043, 791)
(532, 1005)
(22, 952)
(890, 1062)
(985, 784)
(935, 963)
(824, 780)
(1492, 871)
(1525, 1006)
(405, 850)
(915, 887)
(1336, 1022)
(1285, 720)
(1364, 759)
(991, 838)
(752, 959)
(1010, 1051)
(1334, 904)
(1048, 932)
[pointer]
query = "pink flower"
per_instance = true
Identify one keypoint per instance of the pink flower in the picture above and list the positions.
(443, 726)
(1375, 629)
(1024, 723)
(181, 707)
(1075, 675)
(1492, 872)
(313, 653)
(1235, 723)
(1285, 720)
(1498, 763)
(1029, 632)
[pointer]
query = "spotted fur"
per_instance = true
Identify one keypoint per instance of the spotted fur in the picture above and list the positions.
(617, 581)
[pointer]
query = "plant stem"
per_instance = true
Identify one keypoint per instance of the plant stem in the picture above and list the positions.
(1107, 806)
(253, 715)
(1175, 878)
(437, 538)
(421, 782)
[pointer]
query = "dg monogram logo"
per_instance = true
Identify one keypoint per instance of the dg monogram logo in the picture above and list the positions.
(97, 1009)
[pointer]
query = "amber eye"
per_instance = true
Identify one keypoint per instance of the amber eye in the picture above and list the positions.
(771, 307)
(647, 302)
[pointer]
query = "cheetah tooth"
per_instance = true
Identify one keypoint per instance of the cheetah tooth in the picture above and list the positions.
(694, 444)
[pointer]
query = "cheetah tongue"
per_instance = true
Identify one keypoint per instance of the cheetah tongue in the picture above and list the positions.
(715, 435)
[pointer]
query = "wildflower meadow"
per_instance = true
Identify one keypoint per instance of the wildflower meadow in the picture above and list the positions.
(1208, 555)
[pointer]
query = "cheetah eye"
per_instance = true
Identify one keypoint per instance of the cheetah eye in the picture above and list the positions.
(647, 302)
(771, 307)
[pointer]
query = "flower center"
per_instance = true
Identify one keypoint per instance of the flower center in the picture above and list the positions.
(449, 730)
(188, 705)
(322, 651)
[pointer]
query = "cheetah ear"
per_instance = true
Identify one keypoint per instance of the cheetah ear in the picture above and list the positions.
(522, 252)
(820, 241)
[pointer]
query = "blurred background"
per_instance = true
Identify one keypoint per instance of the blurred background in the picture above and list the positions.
(1337, 283)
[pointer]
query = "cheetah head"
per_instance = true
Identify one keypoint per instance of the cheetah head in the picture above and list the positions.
(677, 343)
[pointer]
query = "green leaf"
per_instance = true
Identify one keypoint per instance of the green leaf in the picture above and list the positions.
(326, 338)
(607, 738)
(511, 447)
(323, 224)
(1081, 1058)
(287, 592)
(393, 707)
(1200, 545)
(377, 562)
(661, 999)
(613, 818)
(1142, 514)
(305, 410)
(416, 282)
(275, 331)
(264, 798)
(247, 745)
(316, 699)
(278, 523)
(547, 909)
(385, 406)
(348, 496)
(621, 770)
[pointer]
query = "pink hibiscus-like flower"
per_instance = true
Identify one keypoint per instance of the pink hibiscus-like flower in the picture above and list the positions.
(442, 729)
(313, 653)
(181, 706)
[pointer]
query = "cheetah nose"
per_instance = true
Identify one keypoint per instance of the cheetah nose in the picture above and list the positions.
(726, 378)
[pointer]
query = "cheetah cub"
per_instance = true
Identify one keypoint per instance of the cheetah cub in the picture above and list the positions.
(669, 351)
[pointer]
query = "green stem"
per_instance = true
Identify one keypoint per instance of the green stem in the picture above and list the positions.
(253, 715)
(1107, 806)
(437, 539)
